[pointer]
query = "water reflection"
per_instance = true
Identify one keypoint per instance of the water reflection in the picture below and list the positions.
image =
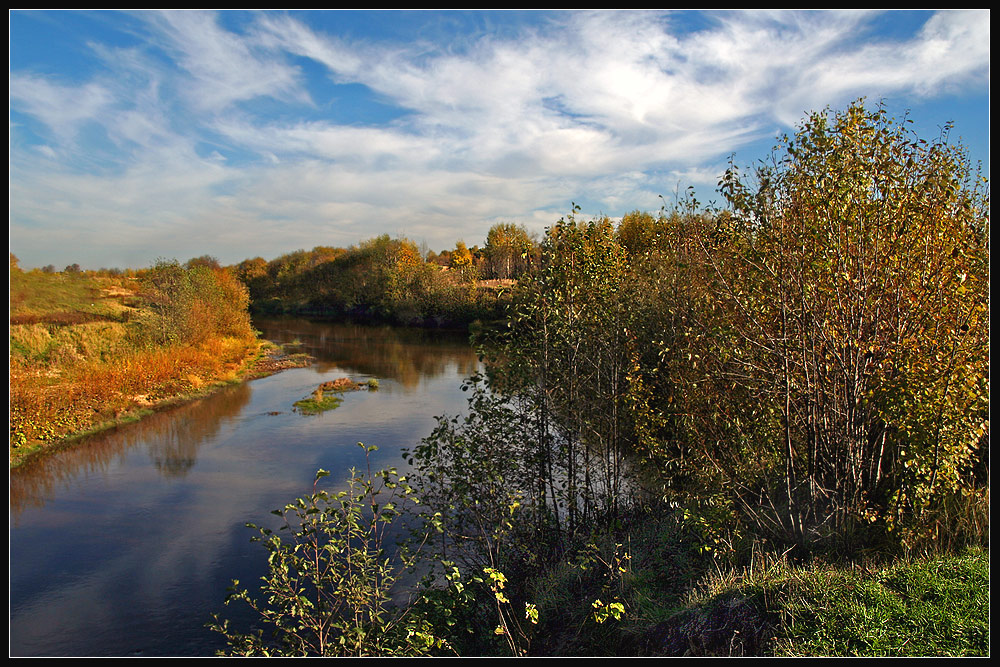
(403, 355)
(173, 446)
(171, 438)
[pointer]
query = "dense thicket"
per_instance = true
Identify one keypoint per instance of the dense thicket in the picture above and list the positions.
(808, 365)
(854, 278)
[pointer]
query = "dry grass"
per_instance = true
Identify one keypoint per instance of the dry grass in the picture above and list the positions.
(49, 404)
(76, 365)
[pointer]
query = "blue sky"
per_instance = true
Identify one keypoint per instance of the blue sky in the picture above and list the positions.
(141, 135)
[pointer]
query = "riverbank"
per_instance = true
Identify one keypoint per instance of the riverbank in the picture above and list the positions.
(89, 352)
(267, 359)
(126, 543)
(930, 605)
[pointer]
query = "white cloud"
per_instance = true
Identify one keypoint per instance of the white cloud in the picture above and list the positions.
(225, 68)
(63, 108)
(283, 33)
(615, 106)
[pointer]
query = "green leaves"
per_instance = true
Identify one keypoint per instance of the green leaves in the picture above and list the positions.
(329, 581)
(852, 287)
(604, 611)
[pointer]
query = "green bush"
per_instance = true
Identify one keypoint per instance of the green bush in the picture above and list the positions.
(331, 577)
(191, 305)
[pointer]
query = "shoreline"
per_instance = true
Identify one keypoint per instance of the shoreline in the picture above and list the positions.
(270, 358)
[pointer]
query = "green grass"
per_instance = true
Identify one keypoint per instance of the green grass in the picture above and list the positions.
(679, 601)
(317, 403)
(61, 318)
(62, 298)
(928, 607)
(329, 395)
(933, 606)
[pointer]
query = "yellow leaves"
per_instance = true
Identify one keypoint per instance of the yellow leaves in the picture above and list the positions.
(408, 256)
(462, 257)
(531, 613)
(498, 581)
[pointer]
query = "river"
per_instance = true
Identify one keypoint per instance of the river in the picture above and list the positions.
(125, 544)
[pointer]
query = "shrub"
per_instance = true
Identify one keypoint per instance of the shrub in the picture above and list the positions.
(852, 284)
(330, 577)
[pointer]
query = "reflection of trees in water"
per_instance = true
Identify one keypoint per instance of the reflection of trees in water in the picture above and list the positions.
(400, 354)
(174, 446)
(172, 437)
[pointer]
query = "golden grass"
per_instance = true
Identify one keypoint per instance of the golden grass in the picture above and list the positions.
(48, 404)
(82, 356)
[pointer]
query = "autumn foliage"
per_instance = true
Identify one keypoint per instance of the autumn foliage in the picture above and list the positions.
(89, 350)
(808, 364)
(853, 274)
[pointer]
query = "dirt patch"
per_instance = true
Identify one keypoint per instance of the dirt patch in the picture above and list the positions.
(340, 384)
(276, 359)
(61, 318)
(115, 292)
(731, 625)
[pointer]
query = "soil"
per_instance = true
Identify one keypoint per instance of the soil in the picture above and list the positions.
(274, 360)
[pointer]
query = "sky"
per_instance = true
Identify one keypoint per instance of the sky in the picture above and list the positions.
(146, 135)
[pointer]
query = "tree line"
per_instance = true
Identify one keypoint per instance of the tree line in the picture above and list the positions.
(391, 279)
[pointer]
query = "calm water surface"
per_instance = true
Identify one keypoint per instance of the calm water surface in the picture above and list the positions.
(125, 544)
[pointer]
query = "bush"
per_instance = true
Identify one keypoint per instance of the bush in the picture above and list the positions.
(330, 580)
(191, 305)
(851, 303)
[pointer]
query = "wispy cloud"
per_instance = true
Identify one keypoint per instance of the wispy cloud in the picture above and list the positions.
(223, 67)
(62, 108)
(244, 135)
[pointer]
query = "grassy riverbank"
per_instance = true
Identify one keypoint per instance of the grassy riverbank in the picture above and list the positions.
(88, 352)
(933, 605)
(678, 601)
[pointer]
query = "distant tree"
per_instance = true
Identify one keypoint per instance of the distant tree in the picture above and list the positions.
(13, 262)
(443, 258)
(72, 269)
(250, 269)
(204, 260)
(322, 254)
(507, 252)
(48, 268)
(462, 260)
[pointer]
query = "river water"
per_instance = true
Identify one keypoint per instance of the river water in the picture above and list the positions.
(125, 544)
